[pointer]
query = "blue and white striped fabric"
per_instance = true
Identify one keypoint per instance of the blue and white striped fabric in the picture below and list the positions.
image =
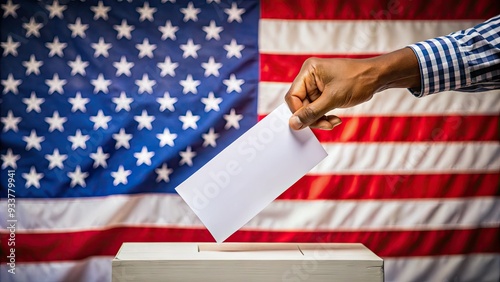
(466, 60)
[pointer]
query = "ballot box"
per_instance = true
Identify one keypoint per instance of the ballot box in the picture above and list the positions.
(246, 262)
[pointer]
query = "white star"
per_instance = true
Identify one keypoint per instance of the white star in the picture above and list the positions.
(187, 157)
(210, 138)
(145, 85)
(165, 1)
(145, 49)
(10, 47)
(124, 30)
(10, 84)
(33, 178)
(55, 9)
(10, 159)
(144, 120)
(233, 84)
(190, 13)
(56, 159)
(55, 84)
(120, 176)
(100, 84)
(99, 158)
(212, 31)
(32, 66)
(56, 122)
(163, 173)
(78, 140)
(166, 138)
(210, 1)
(190, 49)
(166, 102)
(189, 121)
(78, 103)
(234, 14)
(100, 120)
(123, 67)
(167, 67)
(146, 12)
(122, 139)
(233, 49)
(122, 102)
(33, 103)
(144, 157)
(78, 177)
(78, 29)
(189, 85)
(33, 141)
(56, 47)
(211, 67)
(101, 48)
(32, 28)
(10, 9)
(100, 11)
(232, 120)
(168, 31)
(78, 66)
(211, 103)
(10, 122)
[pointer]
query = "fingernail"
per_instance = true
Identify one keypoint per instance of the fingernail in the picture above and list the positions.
(295, 122)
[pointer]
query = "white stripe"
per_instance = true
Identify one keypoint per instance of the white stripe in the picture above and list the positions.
(457, 268)
(409, 158)
(394, 102)
(171, 211)
(349, 37)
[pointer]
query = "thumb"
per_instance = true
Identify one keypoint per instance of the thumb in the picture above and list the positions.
(309, 113)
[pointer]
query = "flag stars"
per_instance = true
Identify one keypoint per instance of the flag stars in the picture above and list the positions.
(163, 173)
(122, 102)
(166, 102)
(146, 12)
(233, 49)
(99, 158)
(78, 103)
(33, 103)
(78, 140)
(233, 84)
(56, 10)
(10, 84)
(232, 120)
(10, 160)
(187, 157)
(190, 49)
(32, 28)
(144, 157)
(78, 29)
(145, 49)
(212, 31)
(78, 177)
(10, 47)
(190, 13)
(9, 9)
(211, 103)
(32, 66)
(56, 122)
(56, 47)
(189, 120)
(166, 138)
(100, 120)
(144, 120)
(124, 30)
(123, 67)
(209, 138)
(10, 122)
(56, 159)
(33, 141)
(168, 31)
(32, 178)
(167, 67)
(55, 84)
(101, 48)
(100, 11)
(189, 85)
(100, 84)
(120, 176)
(234, 14)
(78, 66)
(122, 139)
(145, 84)
(211, 67)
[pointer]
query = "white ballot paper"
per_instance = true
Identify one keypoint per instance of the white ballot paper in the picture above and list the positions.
(250, 173)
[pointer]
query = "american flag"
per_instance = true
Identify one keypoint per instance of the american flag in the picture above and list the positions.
(107, 106)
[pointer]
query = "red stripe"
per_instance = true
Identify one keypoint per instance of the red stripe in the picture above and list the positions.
(412, 129)
(378, 10)
(372, 187)
(79, 245)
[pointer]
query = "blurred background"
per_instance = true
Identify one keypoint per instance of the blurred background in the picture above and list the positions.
(107, 106)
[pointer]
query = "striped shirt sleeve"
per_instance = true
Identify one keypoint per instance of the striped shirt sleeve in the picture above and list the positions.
(466, 60)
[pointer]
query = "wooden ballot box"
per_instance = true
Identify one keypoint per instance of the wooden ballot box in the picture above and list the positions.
(246, 262)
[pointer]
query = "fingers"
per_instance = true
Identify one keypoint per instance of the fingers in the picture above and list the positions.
(313, 113)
